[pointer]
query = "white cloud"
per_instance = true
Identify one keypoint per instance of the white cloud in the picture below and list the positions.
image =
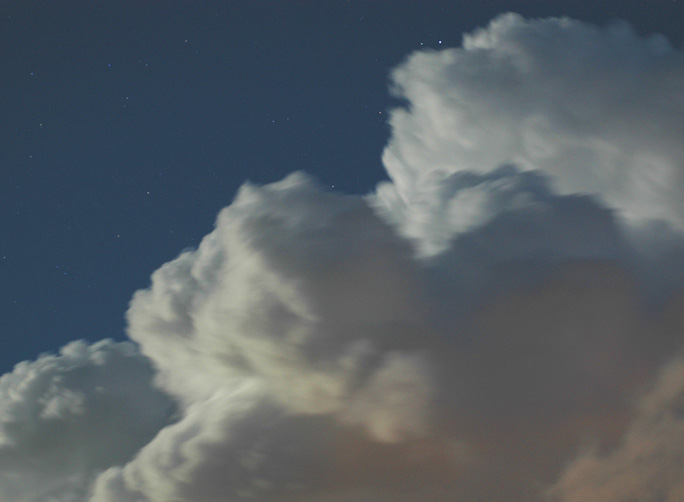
(315, 356)
(598, 109)
(66, 417)
(301, 328)
(233, 446)
(295, 288)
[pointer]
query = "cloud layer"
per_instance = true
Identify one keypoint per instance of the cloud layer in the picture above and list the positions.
(496, 323)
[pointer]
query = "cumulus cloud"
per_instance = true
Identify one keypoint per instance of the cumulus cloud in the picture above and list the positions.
(302, 336)
(66, 417)
(296, 289)
(598, 109)
(461, 334)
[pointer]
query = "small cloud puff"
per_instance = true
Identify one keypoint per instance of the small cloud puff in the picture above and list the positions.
(66, 417)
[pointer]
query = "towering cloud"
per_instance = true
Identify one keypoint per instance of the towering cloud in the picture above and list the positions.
(597, 109)
(479, 328)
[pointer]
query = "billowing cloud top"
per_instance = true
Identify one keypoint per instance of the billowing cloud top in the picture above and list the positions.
(499, 322)
(597, 109)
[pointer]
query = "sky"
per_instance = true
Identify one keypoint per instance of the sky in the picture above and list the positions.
(341, 251)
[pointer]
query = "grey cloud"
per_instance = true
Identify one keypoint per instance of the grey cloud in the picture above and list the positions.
(648, 463)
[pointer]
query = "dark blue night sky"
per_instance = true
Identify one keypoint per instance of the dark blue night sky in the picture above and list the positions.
(126, 126)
